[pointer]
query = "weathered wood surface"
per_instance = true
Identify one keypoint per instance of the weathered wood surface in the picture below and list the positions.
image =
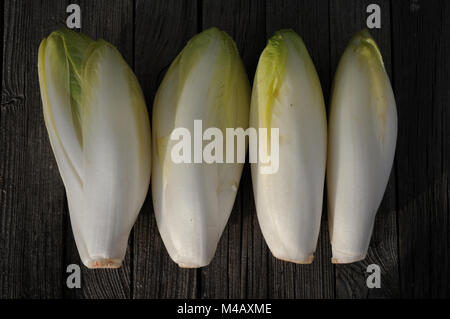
(162, 29)
(421, 74)
(350, 279)
(411, 239)
(308, 19)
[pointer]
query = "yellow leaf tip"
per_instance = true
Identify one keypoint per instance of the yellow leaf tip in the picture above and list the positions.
(364, 43)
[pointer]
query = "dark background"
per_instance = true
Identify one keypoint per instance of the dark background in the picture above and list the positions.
(411, 240)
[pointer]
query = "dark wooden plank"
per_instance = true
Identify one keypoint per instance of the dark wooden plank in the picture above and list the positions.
(441, 276)
(346, 19)
(310, 20)
(411, 238)
(239, 267)
(31, 192)
(111, 20)
(162, 30)
(421, 69)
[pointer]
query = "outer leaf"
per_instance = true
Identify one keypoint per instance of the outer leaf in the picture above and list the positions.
(287, 95)
(99, 130)
(363, 133)
(192, 202)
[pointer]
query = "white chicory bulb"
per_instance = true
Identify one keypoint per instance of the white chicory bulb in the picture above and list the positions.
(287, 95)
(192, 201)
(362, 138)
(99, 131)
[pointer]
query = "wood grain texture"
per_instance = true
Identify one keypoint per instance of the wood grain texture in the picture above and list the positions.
(32, 202)
(310, 20)
(411, 239)
(114, 24)
(346, 19)
(228, 274)
(421, 72)
(162, 30)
